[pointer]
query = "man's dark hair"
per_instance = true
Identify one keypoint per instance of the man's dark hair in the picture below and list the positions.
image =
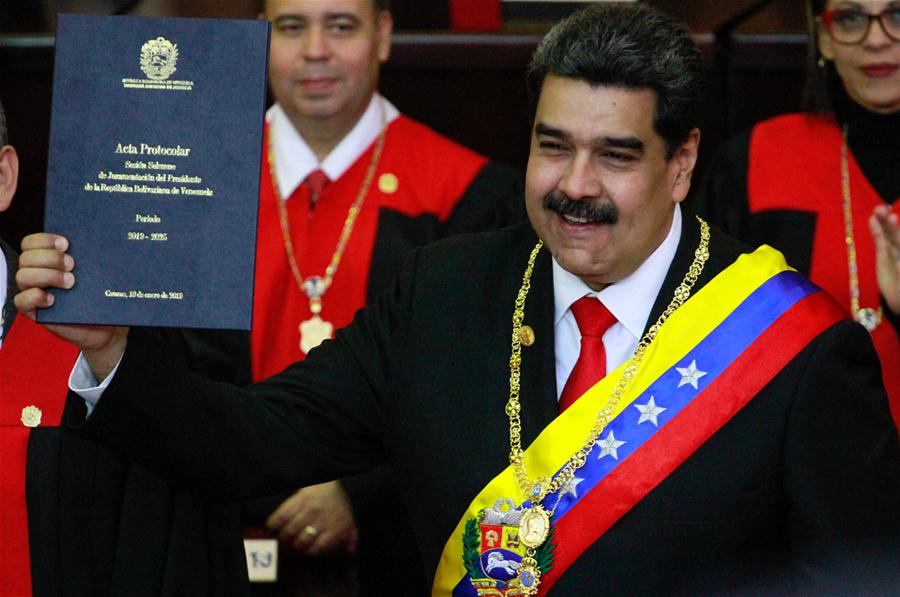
(631, 46)
(4, 135)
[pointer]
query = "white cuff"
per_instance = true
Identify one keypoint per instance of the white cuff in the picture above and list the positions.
(83, 382)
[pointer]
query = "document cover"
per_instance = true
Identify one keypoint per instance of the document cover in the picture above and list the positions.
(154, 168)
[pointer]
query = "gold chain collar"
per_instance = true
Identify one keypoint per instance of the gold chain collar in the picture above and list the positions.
(869, 317)
(315, 287)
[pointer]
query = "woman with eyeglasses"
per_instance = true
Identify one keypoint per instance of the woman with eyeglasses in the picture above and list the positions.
(823, 186)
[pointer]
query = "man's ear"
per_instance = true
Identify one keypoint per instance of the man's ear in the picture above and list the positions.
(384, 26)
(683, 161)
(9, 175)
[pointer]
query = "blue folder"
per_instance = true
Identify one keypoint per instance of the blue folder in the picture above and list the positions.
(154, 168)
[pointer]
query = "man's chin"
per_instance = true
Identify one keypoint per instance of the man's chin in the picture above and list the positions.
(318, 108)
(593, 272)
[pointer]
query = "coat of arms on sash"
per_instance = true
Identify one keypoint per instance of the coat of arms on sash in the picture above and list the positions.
(493, 552)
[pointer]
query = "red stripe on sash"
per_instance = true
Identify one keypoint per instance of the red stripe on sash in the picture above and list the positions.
(674, 443)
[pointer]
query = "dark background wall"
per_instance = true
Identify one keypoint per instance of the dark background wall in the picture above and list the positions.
(468, 86)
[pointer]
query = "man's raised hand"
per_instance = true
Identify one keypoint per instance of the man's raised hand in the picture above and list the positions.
(43, 266)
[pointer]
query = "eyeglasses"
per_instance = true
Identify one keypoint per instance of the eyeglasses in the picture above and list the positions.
(850, 26)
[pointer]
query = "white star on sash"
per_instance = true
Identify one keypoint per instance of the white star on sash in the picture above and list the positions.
(572, 486)
(649, 411)
(610, 446)
(690, 374)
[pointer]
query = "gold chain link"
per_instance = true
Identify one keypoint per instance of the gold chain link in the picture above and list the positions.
(350, 220)
(869, 317)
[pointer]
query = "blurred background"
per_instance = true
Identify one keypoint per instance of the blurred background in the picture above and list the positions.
(456, 65)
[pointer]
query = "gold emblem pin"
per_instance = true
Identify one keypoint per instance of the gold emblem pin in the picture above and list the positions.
(31, 416)
(526, 335)
(388, 183)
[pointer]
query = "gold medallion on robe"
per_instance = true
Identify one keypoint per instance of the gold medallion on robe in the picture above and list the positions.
(313, 332)
(388, 183)
(31, 416)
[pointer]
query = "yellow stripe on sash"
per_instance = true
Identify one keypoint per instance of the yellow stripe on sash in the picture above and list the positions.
(685, 328)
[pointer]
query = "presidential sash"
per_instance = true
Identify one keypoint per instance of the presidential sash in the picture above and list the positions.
(716, 352)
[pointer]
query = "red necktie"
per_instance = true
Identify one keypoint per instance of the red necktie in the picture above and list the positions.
(316, 181)
(593, 319)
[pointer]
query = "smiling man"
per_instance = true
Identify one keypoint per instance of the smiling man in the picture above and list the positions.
(614, 399)
(602, 186)
(325, 57)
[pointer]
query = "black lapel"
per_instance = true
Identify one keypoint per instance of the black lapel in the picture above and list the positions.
(538, 395)
(723, 250)
(9, 311)
(684, 256)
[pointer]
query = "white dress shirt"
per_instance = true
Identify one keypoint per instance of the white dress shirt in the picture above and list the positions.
(629, 300)
(294, 160)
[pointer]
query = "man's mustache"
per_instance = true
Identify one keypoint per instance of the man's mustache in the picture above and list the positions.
(595, 212)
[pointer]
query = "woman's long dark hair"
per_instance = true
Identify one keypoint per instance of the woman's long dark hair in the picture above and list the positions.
(821, 82)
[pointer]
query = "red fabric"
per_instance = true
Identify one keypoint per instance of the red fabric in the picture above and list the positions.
(593, 319)
(34, 371)
(432, 174)
(676, 441)
(480, 15)
(795, 164)
(15, 564)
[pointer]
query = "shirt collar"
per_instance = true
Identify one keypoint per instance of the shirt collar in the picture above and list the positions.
(629, 299)
(294, 160)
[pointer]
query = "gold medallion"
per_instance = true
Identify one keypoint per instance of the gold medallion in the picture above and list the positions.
(388, 183)
(526, 335)
(313, 332)
(534, 526)
(31, 416)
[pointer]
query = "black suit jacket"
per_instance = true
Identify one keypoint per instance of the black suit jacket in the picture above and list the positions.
(492, 200)
(9, 309)
(802, 484)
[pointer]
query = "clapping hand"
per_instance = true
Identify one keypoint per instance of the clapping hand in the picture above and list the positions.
(885, 229)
